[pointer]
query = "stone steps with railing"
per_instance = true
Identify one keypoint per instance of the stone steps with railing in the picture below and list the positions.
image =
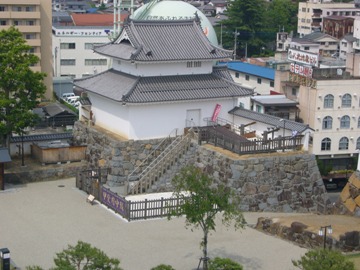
(159, 166)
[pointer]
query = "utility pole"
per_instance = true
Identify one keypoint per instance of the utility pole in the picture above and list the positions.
(235, 43)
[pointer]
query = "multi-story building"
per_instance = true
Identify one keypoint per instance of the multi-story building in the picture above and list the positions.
(310, 15)
(33, 19)
(338, 26)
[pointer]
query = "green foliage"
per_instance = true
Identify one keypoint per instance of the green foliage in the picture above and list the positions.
(84, 256)
(323, 169)
(202, 200)
(224, 264)
(163, 267)
(257, 22)
(35, 267)
(321, 259)
(20, 87)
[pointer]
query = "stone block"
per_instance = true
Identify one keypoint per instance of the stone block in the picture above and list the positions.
(345, 193)
(249, 188)
(357, 200)
(356, 182)
(298, 227)
(350, 205)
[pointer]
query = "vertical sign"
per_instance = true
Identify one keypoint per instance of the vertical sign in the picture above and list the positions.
(216, 112)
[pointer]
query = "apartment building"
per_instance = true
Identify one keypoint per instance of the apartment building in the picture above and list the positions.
(33, 19)
(310, 15)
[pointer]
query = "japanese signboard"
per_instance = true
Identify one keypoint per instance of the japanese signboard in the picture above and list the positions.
(306, 58)
(301, 70)
(296, 78)
(82, 32)
(113, 201)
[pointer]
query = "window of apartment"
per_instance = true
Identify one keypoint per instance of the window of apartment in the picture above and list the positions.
(2, 22)
(247, 77)
(16, 8)
(30, 8)
(329, 101)
(67, 46)
(326, 144)
(358, 143)
(67, 62)
(32, 50)
(30, 36)
(241, 105)
(237, 75)
(95, 62)
(327, 122)
(258, 108)
(302, 20)
(30, 22)
(259, 80)
(344, 143)
(271, 83)
(2, 8)
(303, 9)
(345, 122)
(17, 22)
(346, 101)
(293, 91)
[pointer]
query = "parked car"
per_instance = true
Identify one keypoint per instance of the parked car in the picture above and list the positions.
(66, 95)
(72, 99)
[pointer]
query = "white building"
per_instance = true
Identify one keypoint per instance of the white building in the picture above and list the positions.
(162, 78)
(311, 13)
(73, 53)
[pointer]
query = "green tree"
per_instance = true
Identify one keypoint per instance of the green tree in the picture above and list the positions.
(244, 18)
(84, 256)
(202, 201)
(321, 259)
(20, 87)
(224, 264)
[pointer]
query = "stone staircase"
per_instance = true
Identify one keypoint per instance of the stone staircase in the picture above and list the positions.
(158, 168)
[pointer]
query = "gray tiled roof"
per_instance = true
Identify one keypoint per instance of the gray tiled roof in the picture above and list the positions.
(42, 137)
(57, 108)
(268, 119)
(179, 40)
(314, 36)
(122, 87)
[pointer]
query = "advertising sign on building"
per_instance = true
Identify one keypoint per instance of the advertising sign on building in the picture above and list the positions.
(306, 58)
(301, 70)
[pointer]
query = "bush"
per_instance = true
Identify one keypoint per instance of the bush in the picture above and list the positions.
(162, 267)
(224, 264)
(321, 259)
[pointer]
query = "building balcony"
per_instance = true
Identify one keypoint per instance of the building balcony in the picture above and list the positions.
(20, 2)
(24, 15)
(34, 42)
(316, 15)
(29, 28)
(315, 24)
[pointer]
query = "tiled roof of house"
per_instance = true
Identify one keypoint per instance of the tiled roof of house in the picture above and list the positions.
(247, 68)
(315, 36)
(148, 41)
(122, 87)
(91, 19)
(349, 38)
(269, 119)
(57, 108)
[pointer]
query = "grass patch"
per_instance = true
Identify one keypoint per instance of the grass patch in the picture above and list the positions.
(355, 258)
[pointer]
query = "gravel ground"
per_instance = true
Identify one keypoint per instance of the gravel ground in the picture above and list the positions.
(37, 220)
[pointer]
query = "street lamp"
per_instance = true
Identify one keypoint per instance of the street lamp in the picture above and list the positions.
(323, 230)
(283, 146)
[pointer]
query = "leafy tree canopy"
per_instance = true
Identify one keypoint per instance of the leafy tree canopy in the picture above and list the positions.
(202, 200)
(224, 264)
(324, 259)
(20, 87)
(82, 257)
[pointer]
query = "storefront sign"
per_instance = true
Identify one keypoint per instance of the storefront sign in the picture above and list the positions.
(303, 57)
(296, 78)
(82, 33)
(301, 70)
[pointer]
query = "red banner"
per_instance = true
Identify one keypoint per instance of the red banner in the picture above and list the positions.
(216, 112)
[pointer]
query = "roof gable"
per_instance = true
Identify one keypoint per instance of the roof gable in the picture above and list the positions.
(178, 40)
